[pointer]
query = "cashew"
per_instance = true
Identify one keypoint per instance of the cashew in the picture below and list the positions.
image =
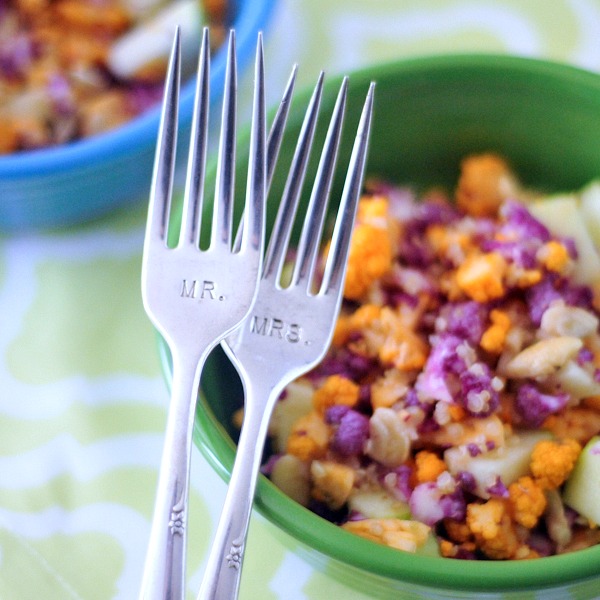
(543, 358)
(389, 438)
(560, 319)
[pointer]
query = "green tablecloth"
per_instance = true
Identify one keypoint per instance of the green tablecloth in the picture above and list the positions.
(82, 400)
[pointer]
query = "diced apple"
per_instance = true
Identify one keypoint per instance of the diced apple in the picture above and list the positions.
(562, 216)
(377, 503)
(582, 490)
(296, 403)
(508, 462)
(292, 477)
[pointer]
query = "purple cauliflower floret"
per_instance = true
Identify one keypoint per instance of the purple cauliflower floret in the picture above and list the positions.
(521, 224)
(429, 504)
(533, 406)
(466, 320)
(346, 363)
(443, 365)
(454, 505)
(351, 433)
(552, 288)
(498, 489)
(478, 395)
(521, 253)
(466, 480)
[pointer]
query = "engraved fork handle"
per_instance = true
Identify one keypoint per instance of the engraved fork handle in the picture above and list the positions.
(164, 570)
(224, 569)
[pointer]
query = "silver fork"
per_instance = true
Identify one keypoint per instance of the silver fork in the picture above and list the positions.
(290, 328)
(196, 297)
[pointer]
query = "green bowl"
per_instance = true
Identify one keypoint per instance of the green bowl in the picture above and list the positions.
(429, 113)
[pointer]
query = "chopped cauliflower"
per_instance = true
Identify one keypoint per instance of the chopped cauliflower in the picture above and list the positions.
(480, 276)
(485, 182)
(396, 533)
(578, 422)
(527, 501)
(554, 256)
(336, 391)
(494, 336)
(428, 466)
(552, 462)
(370, 254)
(493, 529)
(309, 437)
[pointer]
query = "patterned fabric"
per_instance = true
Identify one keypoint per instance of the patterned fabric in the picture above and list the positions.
(82, 399)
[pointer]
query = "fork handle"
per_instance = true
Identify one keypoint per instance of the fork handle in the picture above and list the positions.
(164, 570)
(224, 568)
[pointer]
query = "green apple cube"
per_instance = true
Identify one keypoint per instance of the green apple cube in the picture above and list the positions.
(377, 503)
(582, 490)
(508, 462)
(296, 403)
(562, 216)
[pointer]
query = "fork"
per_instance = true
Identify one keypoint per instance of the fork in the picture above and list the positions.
(194, 296)
(290, 327)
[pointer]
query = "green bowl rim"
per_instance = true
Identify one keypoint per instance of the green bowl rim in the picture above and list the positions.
(330, 540)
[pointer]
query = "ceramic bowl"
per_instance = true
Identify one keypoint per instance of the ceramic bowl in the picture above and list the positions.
(79, 181)
(429, 113)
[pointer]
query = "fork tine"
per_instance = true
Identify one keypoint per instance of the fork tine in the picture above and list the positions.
(282, 228)
(335, 267)
(194, 186)
(256, 188)
(225, 179)
(273, 142)
(313, 224)
(164, 162)
(278, 125)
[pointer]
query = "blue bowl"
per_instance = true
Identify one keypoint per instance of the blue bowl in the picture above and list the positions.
(83, 180)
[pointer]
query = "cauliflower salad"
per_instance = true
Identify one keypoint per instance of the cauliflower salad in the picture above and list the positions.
(458, 409)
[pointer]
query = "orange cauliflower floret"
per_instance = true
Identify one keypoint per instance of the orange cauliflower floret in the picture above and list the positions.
(373, 210)
(389, 338)
(579, 423)
(335, 390)
(370, 254)
(389, 388)
(485, 182)
(309, 437)
(527, 501)
(332, 482)
(554, 256)
(494, 336)
(493, 529)
(443, 239)
(362, 317)
(552, 462)
(428, 466)
(396, 533)
(480, 276)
